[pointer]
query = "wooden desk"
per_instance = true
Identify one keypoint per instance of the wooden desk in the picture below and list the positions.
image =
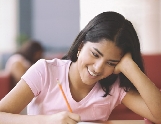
(117, 122)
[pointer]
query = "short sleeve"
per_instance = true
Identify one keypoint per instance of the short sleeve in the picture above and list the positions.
(117, 92)
(122, 94)
(35, 76)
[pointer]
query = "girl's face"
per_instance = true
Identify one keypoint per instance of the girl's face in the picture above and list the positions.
(97, 61)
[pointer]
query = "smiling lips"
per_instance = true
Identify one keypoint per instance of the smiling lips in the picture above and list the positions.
(91, 73)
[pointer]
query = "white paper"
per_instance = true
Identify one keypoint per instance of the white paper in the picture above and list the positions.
(88, 123)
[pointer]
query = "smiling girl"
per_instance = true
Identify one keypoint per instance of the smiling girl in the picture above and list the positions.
(103, 68)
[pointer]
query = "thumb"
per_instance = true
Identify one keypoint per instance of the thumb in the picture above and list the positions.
(74, 116)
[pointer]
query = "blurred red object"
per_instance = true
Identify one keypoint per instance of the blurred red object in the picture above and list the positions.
(5, 82)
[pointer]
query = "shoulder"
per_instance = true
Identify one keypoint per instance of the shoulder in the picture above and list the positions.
(58, 62)
(14, 58)
(53, 62)
(17, 60)
(17, 57)
(53, 65)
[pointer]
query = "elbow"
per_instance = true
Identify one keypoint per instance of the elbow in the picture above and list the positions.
(152, 119)
(157, 120)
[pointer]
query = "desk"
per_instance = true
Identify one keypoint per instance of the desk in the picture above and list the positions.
(117, 122)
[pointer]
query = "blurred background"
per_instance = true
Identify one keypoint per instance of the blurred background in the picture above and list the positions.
(55, 23)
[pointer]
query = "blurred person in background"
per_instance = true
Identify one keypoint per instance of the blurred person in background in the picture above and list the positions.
(21, 60)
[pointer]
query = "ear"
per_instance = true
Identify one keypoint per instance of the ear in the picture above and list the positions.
(80, 46)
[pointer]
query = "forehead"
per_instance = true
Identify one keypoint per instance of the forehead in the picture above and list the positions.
(106, 47)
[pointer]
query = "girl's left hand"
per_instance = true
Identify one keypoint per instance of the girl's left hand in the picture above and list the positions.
(123, 63)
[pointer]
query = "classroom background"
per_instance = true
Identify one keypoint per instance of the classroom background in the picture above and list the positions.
(56, 23)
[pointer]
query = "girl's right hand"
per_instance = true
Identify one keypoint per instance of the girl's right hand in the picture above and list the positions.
(127, 58)
(63, 118)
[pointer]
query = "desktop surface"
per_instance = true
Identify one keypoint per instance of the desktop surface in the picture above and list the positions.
(116, 122)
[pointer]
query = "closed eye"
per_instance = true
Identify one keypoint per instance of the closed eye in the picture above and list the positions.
(111, 64)
(95, 55)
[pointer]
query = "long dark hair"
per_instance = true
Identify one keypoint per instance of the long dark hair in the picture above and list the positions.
(115, 28)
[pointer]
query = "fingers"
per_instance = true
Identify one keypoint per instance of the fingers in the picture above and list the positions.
(71, 121)
(123, 63)
(116, 70)
(74, 116)
(68, 118)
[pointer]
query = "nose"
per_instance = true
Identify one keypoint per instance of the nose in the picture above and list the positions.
(98, 67)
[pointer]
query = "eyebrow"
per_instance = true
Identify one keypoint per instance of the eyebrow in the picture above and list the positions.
(102, 55)
(98, 51)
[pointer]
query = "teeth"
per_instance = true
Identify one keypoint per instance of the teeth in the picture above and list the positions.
(91, 73)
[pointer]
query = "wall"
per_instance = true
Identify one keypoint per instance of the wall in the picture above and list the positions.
(8, 27)
(144, 14)
(55, 23)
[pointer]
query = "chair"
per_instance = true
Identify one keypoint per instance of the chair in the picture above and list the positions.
(5, 83)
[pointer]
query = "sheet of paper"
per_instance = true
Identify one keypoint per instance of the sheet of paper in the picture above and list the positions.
(88, 123)
(83, 123)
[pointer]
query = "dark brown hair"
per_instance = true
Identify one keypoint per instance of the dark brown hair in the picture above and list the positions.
(115, 28)
(29, 48)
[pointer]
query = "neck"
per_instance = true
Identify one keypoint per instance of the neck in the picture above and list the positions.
(75, 83)
(75, 79)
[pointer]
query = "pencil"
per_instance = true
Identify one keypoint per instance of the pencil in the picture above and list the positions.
(61, 89)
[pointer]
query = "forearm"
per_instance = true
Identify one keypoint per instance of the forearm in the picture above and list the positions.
(8, 118)
(148, 91)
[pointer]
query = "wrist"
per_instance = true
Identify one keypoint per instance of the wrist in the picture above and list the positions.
(128, 67)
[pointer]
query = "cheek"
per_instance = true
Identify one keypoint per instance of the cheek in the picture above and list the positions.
(84, 59)
(81, 63)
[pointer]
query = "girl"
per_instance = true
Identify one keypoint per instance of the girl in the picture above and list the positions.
(102, 69)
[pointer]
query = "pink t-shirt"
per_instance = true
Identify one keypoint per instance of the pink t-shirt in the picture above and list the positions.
(41, 78)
